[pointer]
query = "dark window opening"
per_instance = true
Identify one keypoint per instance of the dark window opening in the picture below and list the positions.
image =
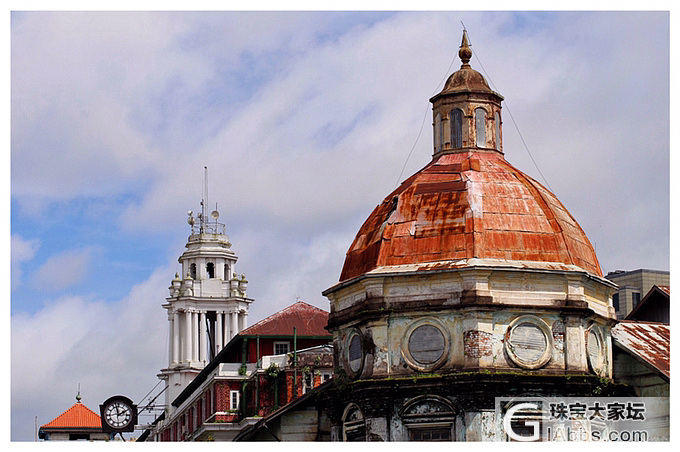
(79, 437)
(210, 268)
(456, 129)
(393, 208)
(192, 271)
(615, 301)
(308, 382)
(354, 426)
(281, 347)
(357, 435)
(636, 299)
(430, 434)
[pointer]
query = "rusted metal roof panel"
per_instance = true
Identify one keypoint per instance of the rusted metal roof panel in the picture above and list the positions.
(464, 206)
(307, 319)
(649, 342)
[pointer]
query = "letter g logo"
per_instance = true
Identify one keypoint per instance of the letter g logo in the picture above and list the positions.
(507, 420)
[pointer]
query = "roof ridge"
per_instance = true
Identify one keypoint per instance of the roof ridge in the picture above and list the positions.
(279, 314)
(76, 411)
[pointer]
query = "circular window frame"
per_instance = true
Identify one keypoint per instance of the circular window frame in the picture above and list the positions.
(406, 353)
(597, 368)
(345, 356)
(547, 333)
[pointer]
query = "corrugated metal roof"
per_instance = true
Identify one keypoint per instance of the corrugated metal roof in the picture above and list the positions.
(469, 205)
(78, 416)
(309, 321)
(650, 342)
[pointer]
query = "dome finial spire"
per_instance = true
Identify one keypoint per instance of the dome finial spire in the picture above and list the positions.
(465, 53)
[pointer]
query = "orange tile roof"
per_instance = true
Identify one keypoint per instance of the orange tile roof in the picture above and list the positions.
(469, 205)
(78, 416)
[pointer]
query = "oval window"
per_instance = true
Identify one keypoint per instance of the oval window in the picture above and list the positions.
(426, 344)
(594, 350)
(355, 353)
(528, 342)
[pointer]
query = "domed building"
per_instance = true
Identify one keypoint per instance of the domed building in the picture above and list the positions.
(468, 290)
(468, 282)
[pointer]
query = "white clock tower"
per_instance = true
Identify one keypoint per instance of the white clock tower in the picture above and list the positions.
(207, 305)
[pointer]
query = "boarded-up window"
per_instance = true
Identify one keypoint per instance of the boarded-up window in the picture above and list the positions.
(456, 129)
(480, 127)
(426, 344)
(528, 342)
(355, 353)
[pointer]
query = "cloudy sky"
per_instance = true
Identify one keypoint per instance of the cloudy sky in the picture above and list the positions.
(305, 121)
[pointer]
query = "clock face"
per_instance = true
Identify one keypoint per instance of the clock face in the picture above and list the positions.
(118, 414)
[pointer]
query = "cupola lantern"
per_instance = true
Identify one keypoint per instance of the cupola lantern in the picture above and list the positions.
(466, 113)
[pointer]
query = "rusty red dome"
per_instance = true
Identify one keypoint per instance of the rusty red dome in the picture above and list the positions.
(465, 207)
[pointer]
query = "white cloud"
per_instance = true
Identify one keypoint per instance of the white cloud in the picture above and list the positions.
(23, 250)
(108, 348)
(63, 270)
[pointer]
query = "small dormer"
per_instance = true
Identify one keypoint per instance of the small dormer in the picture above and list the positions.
(466, 113)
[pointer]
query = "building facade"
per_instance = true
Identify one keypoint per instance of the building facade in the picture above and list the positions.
(633, 286)
(262, 368)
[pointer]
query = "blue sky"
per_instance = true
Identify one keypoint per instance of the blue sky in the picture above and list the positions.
(304, 120)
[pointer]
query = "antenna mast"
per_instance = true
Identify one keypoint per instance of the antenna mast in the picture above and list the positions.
(204, 198)
(205, 168)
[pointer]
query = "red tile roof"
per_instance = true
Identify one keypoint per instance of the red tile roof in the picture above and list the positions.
(649, 342)
(78, 416)
(309, 321)
(469, 205)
